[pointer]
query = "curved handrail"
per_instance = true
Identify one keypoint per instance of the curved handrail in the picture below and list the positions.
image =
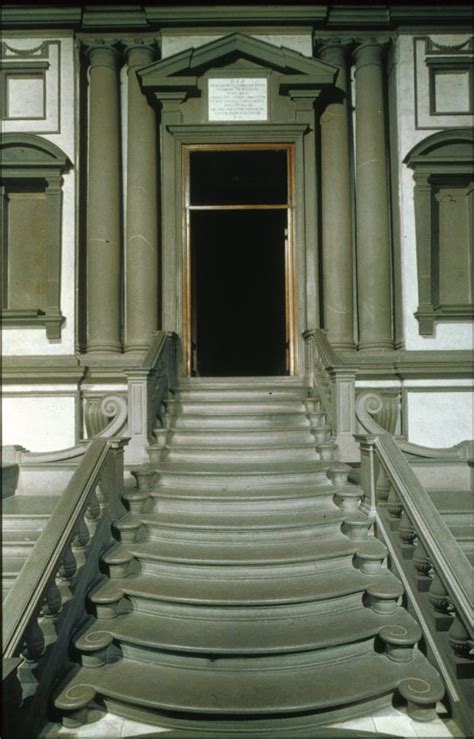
(444, 552)
(115, 407)
(25, 598)
(369, 403)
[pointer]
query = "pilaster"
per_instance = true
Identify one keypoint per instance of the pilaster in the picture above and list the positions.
(141, 282)
(373, 229)
(104, 199)
(336, 203)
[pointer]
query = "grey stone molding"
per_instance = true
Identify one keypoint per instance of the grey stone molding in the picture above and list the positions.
(30, 159)
(436, 161)
(146, 16)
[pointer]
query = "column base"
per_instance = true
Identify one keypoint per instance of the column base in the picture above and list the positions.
(342, 346)
(104, 348)
(370, 346)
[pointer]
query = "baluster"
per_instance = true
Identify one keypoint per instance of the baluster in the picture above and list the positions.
(382, 486)
(93, 507)
(422, 566)
(81, 536)
(101, 496)
(439, 599)
(407, 534)
(462, 646)
(394, 507)
(52, 603)
(68, 566)
(34, 641)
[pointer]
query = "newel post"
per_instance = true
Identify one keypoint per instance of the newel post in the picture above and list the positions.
(344, 413)
(111, 480)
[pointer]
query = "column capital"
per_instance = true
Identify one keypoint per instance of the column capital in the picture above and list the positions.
(140, 51)
(334, 50)
(102, 52)
(370, 50)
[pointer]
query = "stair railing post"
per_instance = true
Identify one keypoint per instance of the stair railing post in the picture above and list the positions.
(344, 413)
(111, 481)
(367, 472)
(309, 359)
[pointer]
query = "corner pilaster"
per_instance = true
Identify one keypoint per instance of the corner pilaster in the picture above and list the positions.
(373, 229)
(104, 199)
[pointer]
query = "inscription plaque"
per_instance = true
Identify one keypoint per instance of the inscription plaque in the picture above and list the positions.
(238, 99)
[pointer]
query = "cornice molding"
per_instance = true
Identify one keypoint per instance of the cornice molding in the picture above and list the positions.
(406, 364)
(325, 15)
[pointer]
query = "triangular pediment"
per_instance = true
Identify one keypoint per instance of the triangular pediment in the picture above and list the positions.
(195, 62)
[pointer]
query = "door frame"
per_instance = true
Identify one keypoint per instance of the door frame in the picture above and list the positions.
(175, 136)
(289, 308)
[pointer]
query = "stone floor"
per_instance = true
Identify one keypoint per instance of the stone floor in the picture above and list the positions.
(392, 721)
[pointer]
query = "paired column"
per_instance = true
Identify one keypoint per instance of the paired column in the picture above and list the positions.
(104, 202)
(141, 282)
(336, 205)
(373, 227)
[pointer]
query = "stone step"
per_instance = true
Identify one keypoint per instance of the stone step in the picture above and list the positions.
(170, 500)
(228, 553)
(242, 526)
(458, 517)
(20, 539)
(261, 630)
(28, 512)
(259, 686)
(144, 590)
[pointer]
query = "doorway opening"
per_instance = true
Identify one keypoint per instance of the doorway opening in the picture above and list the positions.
(239, 275)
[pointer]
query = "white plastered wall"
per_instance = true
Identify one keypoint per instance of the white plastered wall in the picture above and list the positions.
(59, 128)
(39, 418)
(413, 122)
(44, 417)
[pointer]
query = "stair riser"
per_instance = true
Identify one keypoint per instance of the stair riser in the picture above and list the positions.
(244, 534)
(244, 395)
(157, 656)
(19, 551)
(233, 616)
(192, 506)
(251, 422)
(242, 438)
(236, 481)
(248, 573)
(235, 408)
(27, 523)
(241, 455)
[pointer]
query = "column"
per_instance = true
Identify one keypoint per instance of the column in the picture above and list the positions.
(104, 201)
(142, 207)
(336, 205)
(373, 230)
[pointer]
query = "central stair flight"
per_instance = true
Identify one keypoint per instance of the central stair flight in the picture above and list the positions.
(246, 592)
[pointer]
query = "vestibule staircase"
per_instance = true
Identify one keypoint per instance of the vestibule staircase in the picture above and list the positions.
(245, 592)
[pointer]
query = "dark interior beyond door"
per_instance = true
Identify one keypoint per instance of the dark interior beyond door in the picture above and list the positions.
(239, 263)
(238, 256)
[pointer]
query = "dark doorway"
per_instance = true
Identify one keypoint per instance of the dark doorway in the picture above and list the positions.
(238, 236)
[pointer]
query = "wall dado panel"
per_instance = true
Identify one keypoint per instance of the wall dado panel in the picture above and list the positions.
(39, 83)
(41, 419)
